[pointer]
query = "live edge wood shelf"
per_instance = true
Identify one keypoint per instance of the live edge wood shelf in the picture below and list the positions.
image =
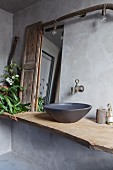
(85, 131)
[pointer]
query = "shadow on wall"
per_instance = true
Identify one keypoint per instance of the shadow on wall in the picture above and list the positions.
(94, 17)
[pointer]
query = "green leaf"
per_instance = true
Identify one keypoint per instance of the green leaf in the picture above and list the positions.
(40, 104)
(9, 98)
(1, 111)
(14, 96)
(9, 104)
(13, 101)
(17, 104)
(1, 97)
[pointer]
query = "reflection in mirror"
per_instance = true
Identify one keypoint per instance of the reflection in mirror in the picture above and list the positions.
(50, 66)
(47, 66)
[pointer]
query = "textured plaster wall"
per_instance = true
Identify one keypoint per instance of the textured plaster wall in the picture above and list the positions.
(43, 149)
(51, 151)
(87, 55)
(5, 136)
(6, 31)
(42, 11)
(87, 49)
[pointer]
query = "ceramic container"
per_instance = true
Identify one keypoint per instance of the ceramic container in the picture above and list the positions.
(101, 116)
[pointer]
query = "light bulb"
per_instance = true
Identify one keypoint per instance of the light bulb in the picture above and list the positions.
(103, 19)
(54, 32)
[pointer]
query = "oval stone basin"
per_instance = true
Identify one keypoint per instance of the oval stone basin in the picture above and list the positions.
(67, 112)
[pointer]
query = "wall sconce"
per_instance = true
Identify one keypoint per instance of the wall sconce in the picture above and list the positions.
(104, 18)
(54, 32)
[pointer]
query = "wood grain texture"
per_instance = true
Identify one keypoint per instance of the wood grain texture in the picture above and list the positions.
(30, 75)
(13, 48)
(80, 13)
(85, 131)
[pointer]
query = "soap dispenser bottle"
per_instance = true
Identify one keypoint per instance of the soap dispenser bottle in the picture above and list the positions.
(109, 115)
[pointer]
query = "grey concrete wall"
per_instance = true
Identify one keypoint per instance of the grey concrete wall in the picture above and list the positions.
(5, 136)
(87, 49)
(6, 33)
(48, 150)
(52, 151)
(88, 52)
(42, 11)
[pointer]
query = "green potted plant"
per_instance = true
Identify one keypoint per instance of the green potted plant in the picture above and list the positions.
(9, 91)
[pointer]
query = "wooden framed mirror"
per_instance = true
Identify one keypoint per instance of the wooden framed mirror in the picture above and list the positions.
(52, 47)
(40, 66)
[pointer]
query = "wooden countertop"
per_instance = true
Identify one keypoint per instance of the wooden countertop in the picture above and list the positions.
(85, 131)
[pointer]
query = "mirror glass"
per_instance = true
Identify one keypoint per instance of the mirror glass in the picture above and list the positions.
(51, 65)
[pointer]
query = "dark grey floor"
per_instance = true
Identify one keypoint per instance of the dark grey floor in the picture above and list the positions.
(11, 161)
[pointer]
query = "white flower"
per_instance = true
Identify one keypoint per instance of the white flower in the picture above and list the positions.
(13, 77)
(7, 79)
(10, 81)
(17, 75)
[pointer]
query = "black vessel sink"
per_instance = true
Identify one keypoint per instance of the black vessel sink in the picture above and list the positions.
(67, 112)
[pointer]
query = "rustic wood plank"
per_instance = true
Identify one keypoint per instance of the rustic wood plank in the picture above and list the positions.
(39, 53)
(31, 65)
(81, 12)
(13, 48)
(85, 131)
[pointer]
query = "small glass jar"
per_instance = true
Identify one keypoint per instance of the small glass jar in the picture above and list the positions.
(110, 120)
